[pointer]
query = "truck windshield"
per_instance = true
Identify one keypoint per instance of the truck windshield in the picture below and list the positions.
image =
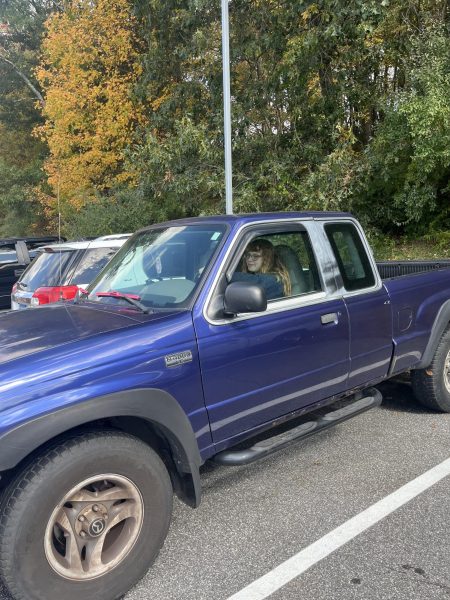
(161, 267)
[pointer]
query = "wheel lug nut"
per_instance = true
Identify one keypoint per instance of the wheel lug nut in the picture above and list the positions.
(95, 508)
(81, 518)
(83, 534)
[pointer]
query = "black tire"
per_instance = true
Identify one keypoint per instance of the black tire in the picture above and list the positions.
(28, 547)
(432, 385)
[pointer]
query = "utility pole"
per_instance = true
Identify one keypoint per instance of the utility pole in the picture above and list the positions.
(227, 108)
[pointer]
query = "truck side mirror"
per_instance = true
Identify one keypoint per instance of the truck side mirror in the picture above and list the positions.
(244, 297)
(23, 256)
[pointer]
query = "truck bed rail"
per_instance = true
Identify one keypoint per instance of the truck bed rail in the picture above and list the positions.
(400, 268)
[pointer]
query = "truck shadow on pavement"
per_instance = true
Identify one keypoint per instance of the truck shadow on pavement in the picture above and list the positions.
(398, 396)
(217, 477)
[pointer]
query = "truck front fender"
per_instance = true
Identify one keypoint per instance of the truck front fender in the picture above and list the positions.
(439, 326)
(154, 406)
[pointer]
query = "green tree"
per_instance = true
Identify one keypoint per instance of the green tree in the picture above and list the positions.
(329, 100)
(335, 105)
(21, 153)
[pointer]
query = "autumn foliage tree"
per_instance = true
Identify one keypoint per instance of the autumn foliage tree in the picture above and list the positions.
(21, 154)
(88, 70)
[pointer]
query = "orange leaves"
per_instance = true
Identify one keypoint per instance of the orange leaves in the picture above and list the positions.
(158, 102)
(90, 64)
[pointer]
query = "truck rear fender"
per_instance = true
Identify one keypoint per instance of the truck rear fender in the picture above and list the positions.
(440, 324)
(160, 416)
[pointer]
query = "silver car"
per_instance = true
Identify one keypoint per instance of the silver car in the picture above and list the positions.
(60, 270)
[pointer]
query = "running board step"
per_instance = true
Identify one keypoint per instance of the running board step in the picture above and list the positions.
(372, 398)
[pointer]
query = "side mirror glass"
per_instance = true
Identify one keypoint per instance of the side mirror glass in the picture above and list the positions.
(244, 297)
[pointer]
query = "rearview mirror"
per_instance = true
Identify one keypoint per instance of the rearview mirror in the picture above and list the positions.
(244, 297)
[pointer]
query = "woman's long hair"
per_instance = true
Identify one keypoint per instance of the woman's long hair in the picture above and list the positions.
(271, 263)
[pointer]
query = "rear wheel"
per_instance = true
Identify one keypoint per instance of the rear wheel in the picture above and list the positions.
(432, 385)
(86, 519)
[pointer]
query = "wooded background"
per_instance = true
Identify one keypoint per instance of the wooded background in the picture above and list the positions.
(114, 107)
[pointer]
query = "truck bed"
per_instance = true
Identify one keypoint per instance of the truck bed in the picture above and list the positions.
(393, 269)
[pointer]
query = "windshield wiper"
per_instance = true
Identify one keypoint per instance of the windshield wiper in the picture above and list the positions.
(131, 298)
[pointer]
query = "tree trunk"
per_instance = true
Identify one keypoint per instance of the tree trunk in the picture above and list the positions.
(36, 93)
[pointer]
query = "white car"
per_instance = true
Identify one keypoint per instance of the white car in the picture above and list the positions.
(60, 270)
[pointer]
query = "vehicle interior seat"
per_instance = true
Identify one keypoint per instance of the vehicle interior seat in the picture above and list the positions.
(299, 281)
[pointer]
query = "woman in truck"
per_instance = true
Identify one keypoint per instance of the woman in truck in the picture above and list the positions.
(260, 262)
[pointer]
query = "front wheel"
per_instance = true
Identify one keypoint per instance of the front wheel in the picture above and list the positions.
(85, 520)
(432, 385)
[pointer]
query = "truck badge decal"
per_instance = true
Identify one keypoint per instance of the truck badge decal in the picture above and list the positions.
(173, 360)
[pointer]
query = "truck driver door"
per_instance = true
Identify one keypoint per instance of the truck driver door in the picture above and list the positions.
(260, 366)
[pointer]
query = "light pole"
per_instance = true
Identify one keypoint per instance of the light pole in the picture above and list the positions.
(227, 108)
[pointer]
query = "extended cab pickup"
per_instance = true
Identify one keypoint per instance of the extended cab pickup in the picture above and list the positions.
(182, 351)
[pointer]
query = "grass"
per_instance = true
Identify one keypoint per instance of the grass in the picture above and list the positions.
(386, 248)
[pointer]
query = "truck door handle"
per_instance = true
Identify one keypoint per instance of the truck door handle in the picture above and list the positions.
(329, 318)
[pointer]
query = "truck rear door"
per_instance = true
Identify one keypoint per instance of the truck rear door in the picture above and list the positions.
(367, 302)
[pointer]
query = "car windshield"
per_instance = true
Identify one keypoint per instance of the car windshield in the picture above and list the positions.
(91, 264)
(161, 267)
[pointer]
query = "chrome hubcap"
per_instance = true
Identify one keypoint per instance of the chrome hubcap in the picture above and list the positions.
(94, 527)
(447, 372)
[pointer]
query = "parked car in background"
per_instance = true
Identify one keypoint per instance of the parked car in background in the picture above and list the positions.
(15, 255)
(60, 270)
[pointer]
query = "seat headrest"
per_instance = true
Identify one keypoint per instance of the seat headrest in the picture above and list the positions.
(290, 260)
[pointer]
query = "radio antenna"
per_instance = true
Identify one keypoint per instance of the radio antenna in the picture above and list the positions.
(59, 236)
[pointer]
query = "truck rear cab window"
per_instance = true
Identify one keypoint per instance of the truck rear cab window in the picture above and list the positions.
(351, 256)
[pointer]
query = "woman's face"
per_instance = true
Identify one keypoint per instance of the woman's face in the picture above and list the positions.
(254, 260)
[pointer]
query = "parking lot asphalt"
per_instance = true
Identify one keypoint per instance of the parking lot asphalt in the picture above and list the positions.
(254, 518)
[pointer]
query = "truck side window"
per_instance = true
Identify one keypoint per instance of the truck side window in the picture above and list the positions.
(351, 256)
(289, 260)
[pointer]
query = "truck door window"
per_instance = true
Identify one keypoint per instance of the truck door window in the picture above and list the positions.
(283, 263)
(351, 256)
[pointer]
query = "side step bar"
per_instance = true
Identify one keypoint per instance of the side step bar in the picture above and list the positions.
(371, 398)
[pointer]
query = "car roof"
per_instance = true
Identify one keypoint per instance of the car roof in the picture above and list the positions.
(114, 236)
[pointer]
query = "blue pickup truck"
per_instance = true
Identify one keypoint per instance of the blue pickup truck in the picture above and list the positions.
(180, 353)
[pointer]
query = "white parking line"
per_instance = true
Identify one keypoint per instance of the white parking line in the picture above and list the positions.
(296, 565)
